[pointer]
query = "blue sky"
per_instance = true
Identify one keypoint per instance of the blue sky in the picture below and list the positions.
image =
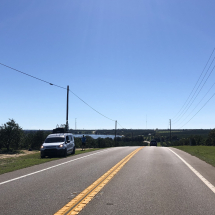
(126, 59)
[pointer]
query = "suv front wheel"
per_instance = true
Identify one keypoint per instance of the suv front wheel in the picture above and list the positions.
(65, 153)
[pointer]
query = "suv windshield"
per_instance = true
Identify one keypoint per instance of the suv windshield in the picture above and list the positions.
(54, 140)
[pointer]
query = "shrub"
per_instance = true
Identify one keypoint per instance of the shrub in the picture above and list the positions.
(10, 135)
(210, 141)
(37, 140)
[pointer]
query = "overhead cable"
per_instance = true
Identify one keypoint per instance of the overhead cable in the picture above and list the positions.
(119, 124)
(198, 110)
(56, 86)
(188, 104)
(90, 106)
(32, 76)
(198, 103)
(196, 95)
(176, 116)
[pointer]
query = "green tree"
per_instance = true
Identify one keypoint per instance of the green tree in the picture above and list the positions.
(27, 140)
(38, 139)
(199, 140)
(77, 142)
(210, 141)
(10, 135)
(90, 143)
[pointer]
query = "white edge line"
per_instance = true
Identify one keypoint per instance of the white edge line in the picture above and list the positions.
(212, 188)
(14, 179)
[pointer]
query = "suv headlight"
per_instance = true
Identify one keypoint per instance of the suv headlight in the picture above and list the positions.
(60, 146)
(42, 147)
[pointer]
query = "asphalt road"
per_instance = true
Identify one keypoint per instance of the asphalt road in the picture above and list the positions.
(153, 181)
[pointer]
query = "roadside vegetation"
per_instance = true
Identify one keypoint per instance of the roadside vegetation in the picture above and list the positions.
(205, 153)
(13, 139)
(16, 163)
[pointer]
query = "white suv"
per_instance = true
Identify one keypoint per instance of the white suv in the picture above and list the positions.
(58, 144)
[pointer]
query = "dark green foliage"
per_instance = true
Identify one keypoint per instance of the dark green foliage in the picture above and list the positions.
(200, 140)
(189, 141)
(38, 139)
(10, 135)
(184, 133)
(90, 142)
(101, 143)
(77, 142)
(130, 137)
(124, 132)
(109, 142)
(27, 140)
(34, 139)
(210, 141)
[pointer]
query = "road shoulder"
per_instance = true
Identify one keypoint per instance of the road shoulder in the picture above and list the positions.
(205, 169)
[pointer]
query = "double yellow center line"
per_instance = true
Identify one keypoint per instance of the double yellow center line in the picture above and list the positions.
(80, 201)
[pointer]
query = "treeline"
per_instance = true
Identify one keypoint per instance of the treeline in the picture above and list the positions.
(124, 132)
(179, 134)
(192, 140)
(12, 137)
(109, 142)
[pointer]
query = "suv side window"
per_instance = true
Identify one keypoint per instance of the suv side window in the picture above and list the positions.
(67, 138)
(70, 138)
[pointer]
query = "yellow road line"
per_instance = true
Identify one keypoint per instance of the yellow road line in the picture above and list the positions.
(80, 201)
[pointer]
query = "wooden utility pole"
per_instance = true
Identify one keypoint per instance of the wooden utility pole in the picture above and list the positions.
(115, 131)
(67, 109)
(132, 138)
(170, 132)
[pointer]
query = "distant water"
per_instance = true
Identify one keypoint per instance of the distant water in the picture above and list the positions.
(96, 136)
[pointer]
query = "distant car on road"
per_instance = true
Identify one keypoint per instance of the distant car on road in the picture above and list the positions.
(59, 144)
(153, 143)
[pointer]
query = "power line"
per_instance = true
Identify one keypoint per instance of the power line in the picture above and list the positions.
(119, 124)
(198, 103)
(91, 107)
(190, 101)
(32, 76)
(195, 96)
(176, 116)
(57, 86)
(198, 110)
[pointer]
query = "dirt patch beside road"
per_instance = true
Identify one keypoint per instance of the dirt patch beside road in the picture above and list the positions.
(25, 152)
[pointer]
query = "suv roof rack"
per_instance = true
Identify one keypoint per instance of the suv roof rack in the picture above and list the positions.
(60, 130)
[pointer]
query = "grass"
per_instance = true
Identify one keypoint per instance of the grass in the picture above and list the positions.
(158, 144)
(167, 131)
(16, 163)
(205, 153)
